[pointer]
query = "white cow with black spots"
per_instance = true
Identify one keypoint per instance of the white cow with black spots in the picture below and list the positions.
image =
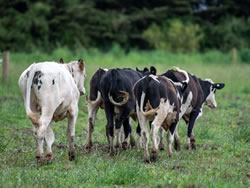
(51, 92)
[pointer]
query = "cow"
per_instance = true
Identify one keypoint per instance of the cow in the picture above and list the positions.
(197, 93)
(158, 99)
(95, 102)
(119, 101)
(51, 92)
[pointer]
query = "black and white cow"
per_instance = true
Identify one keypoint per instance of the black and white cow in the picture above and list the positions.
(197, 93)
(119, 100)
(158, 99)
(51, 92)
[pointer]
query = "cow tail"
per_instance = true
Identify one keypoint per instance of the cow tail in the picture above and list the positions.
(143, 96)
(33, 116)
(113, 88)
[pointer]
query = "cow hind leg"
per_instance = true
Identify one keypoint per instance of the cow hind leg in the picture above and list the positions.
(127, 132)
(190, 143)
(49, 138)
(132, 140)
(109, 111)
(39, 141)
(40, 133)
(144, 134)
(155, 126)
(193, 142)
(171, 137)
(72, 117)
(118, 135)
(122, 118)
(177, 145)
(107, 132)
(44, 122)
(145, 140)
(161, 144)
(92, 111)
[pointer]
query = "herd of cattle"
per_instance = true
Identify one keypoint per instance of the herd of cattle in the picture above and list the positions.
(51, 92)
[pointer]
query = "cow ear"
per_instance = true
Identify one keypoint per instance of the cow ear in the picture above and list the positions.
(153, 70)
(61, 61)
(218, 85)
(81, 64)
(145, 69)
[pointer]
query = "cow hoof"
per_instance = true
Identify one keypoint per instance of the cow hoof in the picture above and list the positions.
(192, 139)
(169, 155)
(111, 152)
(88, 147)
(71, 155)
(161, 147)
(118, 146)
(124, 145)
(154, 155)
(132, 142)
(39, 159)
(193, 143)
(147, 160)
(193, 146)
(48, 156)
(177, 146)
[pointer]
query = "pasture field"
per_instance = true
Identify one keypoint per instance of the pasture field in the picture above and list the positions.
(222, 157)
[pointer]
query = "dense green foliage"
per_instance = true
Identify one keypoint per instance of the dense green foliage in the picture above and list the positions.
(223, 134)
(175, 37)
(26, 25)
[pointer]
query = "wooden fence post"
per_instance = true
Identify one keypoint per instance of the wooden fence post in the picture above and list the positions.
(234, 56)
(5, 66)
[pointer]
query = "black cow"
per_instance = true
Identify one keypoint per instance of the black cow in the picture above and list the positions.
(94, 103)
(197, 93)
(158, 99)
(119, 101)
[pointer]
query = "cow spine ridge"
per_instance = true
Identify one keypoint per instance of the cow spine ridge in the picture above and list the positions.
(33, 116)
(125, 95)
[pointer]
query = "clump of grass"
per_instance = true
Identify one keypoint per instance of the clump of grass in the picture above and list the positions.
(242, 133)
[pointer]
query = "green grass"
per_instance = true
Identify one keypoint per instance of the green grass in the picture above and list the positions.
(222, 158)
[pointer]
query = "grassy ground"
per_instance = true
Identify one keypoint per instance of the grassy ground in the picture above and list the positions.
(222, 158)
